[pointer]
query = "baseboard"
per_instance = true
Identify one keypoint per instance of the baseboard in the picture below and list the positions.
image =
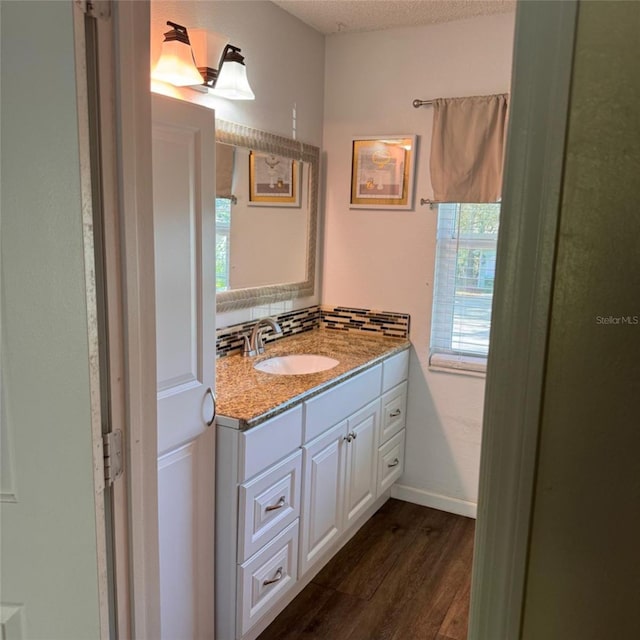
(434, 500)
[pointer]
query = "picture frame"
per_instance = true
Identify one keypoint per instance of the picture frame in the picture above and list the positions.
(274, 181)
(382, 172)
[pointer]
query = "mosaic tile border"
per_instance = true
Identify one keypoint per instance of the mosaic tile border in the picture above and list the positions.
(393, 325)
(231, 339)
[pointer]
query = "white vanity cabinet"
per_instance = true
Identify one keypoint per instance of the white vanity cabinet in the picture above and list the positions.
(291, 491)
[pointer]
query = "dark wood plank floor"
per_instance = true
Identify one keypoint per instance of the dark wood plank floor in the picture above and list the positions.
(405, 575)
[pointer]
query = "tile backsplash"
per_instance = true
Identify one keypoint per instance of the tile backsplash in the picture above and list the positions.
(231, 339)
(395, 325)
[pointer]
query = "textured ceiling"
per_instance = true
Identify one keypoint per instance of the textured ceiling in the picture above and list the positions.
(332, 16)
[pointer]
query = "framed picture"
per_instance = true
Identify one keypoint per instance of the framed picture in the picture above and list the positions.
(382, 171)
(274, 181)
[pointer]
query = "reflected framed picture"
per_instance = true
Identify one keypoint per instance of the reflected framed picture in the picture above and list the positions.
(382, 172)
(274, 181)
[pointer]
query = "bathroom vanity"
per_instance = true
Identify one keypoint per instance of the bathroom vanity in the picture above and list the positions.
(302, 462)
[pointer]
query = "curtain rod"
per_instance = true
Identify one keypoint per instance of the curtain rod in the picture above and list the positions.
(417, 103)
(421, 103)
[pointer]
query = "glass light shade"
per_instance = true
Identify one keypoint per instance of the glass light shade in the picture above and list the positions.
(232, 82)
(176, 65)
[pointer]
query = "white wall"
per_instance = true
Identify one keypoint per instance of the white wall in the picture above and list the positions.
(384, 260)
(285, 66)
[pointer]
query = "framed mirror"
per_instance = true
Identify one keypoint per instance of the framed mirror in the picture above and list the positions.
(266, 217)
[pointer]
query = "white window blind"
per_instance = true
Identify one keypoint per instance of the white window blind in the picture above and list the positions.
(223, 229)
(465, 272)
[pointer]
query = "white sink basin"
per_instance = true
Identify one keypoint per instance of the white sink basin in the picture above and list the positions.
(296, 365)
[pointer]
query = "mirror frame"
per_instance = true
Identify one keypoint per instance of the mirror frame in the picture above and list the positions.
(242, 136)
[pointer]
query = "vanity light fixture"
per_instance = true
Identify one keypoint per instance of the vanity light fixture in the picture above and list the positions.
(176, 64)
(231, 80)
(221, 65)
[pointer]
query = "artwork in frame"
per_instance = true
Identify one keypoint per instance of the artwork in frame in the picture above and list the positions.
(382, 172)
(274, 181)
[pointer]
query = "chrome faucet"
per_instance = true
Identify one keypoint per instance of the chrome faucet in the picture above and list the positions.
(253, 344)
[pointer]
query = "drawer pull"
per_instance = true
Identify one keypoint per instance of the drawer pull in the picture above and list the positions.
(279, 575)
(396, 413)
(395, 463)
(278, 505)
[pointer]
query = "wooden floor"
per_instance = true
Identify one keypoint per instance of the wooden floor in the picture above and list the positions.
(404, 576)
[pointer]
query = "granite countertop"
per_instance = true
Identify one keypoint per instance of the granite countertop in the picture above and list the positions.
(246, 397)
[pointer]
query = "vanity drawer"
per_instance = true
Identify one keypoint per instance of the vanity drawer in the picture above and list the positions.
(268, 504)
(269, 442)
(333, 406)
(396, 369)
(394, 411)
(390, 462)
(266, 577)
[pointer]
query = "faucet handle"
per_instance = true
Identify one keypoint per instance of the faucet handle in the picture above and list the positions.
(248, 351)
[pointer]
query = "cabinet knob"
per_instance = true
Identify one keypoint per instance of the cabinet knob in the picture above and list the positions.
(279, 575)
(281, 502)
(395, 463)
(353, 435)
(396, 413)
(348, 437)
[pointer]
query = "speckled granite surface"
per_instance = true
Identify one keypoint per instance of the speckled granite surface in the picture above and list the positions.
(246, 397)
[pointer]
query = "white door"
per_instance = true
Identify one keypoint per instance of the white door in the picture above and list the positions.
(323, 477)
(361, 462)
(184, 230)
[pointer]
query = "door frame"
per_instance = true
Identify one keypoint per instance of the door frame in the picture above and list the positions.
(92, 296)
(125, 104)
(541, 84)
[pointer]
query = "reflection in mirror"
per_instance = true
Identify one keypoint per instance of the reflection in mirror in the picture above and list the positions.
(266, 217)
(262, 218)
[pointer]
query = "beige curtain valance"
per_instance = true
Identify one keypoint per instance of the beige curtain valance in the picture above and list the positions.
(467, 148)
(224, 170)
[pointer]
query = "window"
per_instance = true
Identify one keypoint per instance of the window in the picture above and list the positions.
(465, 271)
(223, 229)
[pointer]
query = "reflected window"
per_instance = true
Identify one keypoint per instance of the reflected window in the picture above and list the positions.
(223, 228)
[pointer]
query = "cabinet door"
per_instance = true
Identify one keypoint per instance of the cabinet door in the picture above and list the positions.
(323, 474)
(361, 462)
